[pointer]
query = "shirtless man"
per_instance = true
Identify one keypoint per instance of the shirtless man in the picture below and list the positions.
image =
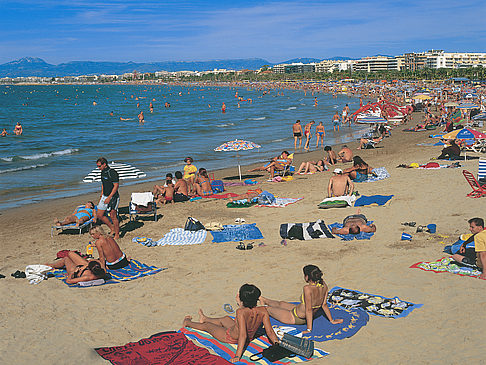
(141, 118)
(297, 131)
(339, 184)
(181, 193)
(354, 224)
(345, 155)
(18, 130)
(4, 133)
(331, 158)
(335, 121)
(110, 255)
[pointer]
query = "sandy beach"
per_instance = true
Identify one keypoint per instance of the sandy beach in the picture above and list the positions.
(51, 323)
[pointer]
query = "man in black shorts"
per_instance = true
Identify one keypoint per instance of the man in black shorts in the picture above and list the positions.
(110, 198)
(297, 130)
(354, 224)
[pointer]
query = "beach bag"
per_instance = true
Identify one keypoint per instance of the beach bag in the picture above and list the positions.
(217, 186)
(192, 224)
(265, 198)
(289, 346)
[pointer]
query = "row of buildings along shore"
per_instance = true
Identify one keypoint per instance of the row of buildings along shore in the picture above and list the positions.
(432, 59)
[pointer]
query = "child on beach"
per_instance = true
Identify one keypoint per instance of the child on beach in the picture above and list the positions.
(166, 193)
(242, 329)
(190, 173)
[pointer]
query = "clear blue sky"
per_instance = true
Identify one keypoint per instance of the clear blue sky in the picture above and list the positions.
(152, 30)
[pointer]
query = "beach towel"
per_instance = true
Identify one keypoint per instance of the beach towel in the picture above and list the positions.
(373, 200)
(381, 173)
(221, 196)
(373, 304)
(232, 232)
(447, 264)
(305, 231)
(280, 202)
(350, 237)
(227, 351)
(134, 270)
(142, 198)
(178, 237)
(322, 329)
(337, 202)
(36, 273)
(160, 349)
(243, 203)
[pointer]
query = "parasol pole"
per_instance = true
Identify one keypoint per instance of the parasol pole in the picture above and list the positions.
(239, 167)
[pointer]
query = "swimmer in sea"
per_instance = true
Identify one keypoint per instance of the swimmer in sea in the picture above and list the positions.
(111, 113)
(4, 133)
(335, 121)
(151, 107)
(223, 108)
(141, 119)
(320, 134)
(18, 130)
(315, 102)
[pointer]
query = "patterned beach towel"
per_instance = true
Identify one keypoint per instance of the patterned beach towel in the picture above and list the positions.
(322, 329)
(373, 304)
(350, 237)
(232, 232)
(133, 271)
(447, 264)
(280, 202)
(227, 351)
(381, 173)
(364, 200)
(305, 231)
(175, 237)
(160, 349)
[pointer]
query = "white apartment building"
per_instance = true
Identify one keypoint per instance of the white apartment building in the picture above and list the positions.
(455, 60)
(374, 64)
(297, 67)
(325, 66)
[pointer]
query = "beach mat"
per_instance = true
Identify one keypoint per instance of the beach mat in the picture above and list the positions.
(232, 232)
(350, 237)
(280, 202)
(322, 329)
(227, 351)
(175, 237)
(305, 231)
(160, 349)
(375, 305)
(447, 264)
(134, 270)
(372, 200)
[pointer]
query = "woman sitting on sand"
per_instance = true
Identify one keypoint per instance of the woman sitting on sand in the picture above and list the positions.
(202, 184)
(79, 269)
(313, 298)
(81, 214)
(241, 330)
(360, 170)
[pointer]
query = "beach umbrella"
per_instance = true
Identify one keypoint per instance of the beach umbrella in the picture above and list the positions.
(422, 97)
(465, 133)
(236, 146)
(480, 116)
(451, 103)
(468, 106)
(125, 171)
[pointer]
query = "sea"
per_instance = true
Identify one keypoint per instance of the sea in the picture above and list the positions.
(68, 127)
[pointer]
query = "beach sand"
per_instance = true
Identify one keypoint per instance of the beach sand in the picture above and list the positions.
(51, 323)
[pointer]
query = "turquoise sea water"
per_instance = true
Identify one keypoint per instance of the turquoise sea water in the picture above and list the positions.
(64, 133)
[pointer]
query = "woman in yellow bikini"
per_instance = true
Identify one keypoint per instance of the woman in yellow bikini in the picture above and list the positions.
(313, 297)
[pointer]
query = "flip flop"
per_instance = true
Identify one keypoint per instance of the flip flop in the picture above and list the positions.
(249, 246)
(241, 246)
(228, 308)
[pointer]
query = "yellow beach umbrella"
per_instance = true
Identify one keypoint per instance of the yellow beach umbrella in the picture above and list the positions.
(422, 97)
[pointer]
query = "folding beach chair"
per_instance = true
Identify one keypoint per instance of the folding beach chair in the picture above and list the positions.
(289, 169)
(73, 227)
(142, 204)
(478, 189)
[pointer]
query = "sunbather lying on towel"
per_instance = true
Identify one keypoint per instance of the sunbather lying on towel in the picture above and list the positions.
(313, 298)
(353, 224)
(277, 163)
(79, 269)
(241, 330)
(250, 194)
(312, 167)
(81, 214)
(110, 254)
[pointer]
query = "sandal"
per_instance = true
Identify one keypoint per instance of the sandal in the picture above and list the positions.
(411, 224)
(249, 246)
(241, 246)
(421, 229)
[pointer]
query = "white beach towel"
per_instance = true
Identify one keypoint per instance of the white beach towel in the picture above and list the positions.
(280, 202)
(348, 199)
(36, 273)
(142, 198)
(178, 236)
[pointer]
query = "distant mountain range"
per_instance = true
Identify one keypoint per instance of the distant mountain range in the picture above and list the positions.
(31, 66)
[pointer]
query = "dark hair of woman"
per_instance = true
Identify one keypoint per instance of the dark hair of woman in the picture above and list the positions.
(249, 295)
(358, 161)
(313, 274)
(96, 269)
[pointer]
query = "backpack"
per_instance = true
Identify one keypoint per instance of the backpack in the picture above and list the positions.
(217, 186)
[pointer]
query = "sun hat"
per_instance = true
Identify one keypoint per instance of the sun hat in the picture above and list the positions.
(338, 171)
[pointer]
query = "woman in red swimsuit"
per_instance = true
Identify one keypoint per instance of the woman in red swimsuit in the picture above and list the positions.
(241, 330)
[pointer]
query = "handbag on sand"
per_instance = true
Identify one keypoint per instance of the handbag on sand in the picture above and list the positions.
(287, 347)
(192, 224)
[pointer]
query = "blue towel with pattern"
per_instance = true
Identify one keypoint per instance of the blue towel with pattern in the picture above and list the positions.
(134, 270)
(232, 232)
(373, 199)
(350, 237)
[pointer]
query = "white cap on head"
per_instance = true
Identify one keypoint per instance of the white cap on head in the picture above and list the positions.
(338, 171)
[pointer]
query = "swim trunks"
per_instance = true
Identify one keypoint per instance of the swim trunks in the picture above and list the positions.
(297, 134)
(335, 122)
(112, 204)
(118, 264)
(354, 216)
(179, 197)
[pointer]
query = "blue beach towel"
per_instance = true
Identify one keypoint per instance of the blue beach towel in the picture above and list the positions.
(373, 199)
(323, 330)
(376, 305)
(350, 237)
(131, 272)
(237, 233)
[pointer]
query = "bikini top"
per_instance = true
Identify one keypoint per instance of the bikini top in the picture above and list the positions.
(84, 209)
(77, 273)
(315, 306)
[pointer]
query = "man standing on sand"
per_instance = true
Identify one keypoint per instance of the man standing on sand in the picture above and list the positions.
(476, 256)
(297, 130)
(339, 184)
(335, 121)
(110, 198)
(345, 155)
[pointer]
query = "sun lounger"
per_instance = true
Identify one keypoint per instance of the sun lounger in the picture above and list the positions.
(72, 226)
(142, 204)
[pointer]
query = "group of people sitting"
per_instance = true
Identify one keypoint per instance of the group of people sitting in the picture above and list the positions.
(250, 316)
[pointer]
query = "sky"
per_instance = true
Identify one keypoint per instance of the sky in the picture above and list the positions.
(156, 30)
